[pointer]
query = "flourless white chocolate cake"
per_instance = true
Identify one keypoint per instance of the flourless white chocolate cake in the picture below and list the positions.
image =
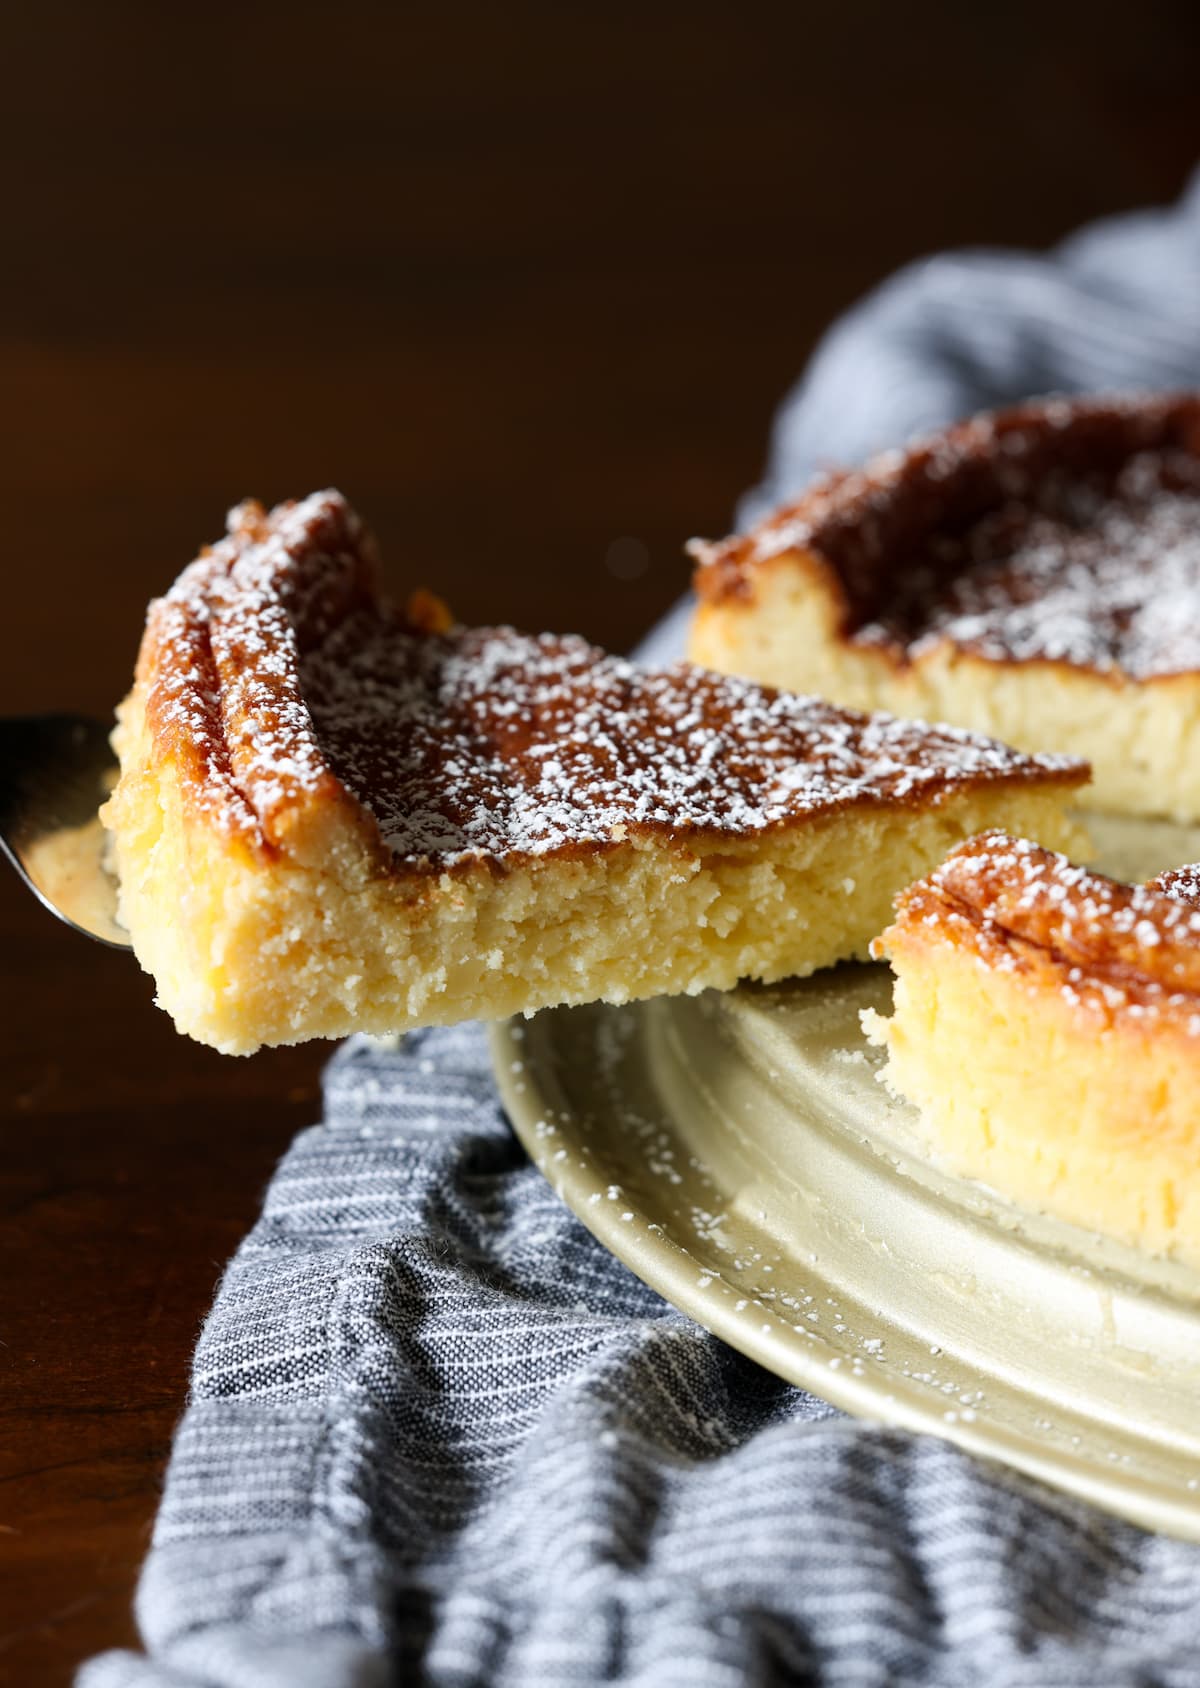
(1033, 574)
(1046, 1024)
(337, 816)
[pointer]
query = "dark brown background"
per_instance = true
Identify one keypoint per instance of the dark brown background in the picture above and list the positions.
(524, 281)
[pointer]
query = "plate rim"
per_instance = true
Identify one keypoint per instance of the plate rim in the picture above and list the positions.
(671, 1268)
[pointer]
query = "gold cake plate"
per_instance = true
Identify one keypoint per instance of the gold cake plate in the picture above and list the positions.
(737, 1152)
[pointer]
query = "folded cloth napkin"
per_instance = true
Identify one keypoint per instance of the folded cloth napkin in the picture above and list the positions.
(436, 1433)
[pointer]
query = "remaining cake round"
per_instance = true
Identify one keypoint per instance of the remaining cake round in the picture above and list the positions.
(1033, 574)
(335, 816)
(1046, 1025)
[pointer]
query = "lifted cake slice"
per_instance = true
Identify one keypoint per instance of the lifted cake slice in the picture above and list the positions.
(334, 816)
(1046, 1025)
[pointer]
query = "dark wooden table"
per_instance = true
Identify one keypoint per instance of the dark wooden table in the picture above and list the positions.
(526, 282)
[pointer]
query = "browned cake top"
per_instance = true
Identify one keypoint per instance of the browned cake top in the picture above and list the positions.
(278, 678)
(1183, 883)
(1064, 531)
(1115, 946)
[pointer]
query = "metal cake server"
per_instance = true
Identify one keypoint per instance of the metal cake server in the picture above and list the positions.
(55, 771)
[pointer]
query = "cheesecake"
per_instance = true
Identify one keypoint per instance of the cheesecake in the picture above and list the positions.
(1046, 1027)
(335, 814)
(1033, 574)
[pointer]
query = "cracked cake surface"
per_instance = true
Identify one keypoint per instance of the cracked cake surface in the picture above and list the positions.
(1112, 947)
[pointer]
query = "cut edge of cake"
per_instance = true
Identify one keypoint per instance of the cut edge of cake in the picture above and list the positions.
(1046, 1028)
(284, 952)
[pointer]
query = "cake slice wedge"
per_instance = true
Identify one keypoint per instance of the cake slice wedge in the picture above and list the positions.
(336, 816)
(1033, 573)
(1046, 1025)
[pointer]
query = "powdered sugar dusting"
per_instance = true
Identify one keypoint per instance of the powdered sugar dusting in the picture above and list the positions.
(489, 742)
(1057, 531)
(1113, 585)
(1024, 878)
(226, 645)
(284, 676)
(1129, 948)
(1182, 883)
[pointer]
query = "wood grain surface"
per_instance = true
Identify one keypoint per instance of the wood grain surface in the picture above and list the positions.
(526, 282)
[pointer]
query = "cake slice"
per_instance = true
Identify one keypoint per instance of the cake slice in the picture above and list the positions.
(1046, 1025)
(333, 816)
(1033, 574)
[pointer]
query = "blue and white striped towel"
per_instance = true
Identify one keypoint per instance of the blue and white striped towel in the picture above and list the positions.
(437, 1434)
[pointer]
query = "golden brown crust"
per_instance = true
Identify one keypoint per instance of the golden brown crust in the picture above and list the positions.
(1006, 535)
(1113, 948)
(1182, 883)
(282, 686)
(220, 663)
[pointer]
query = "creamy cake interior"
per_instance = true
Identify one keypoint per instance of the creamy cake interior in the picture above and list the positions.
(1046, 1025)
